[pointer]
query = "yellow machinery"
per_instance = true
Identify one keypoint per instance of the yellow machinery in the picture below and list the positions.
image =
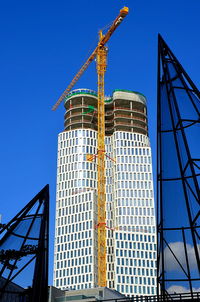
(100, 53)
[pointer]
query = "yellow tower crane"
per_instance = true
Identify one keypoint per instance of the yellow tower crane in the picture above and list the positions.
(100, 53)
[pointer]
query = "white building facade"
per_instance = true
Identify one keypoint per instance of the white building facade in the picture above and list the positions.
(131, 233)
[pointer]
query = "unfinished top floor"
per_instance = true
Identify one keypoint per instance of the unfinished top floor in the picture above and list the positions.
(124, 111)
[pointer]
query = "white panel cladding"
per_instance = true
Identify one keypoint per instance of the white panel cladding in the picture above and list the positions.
(130, 217)
(135, 235)
(75, 254)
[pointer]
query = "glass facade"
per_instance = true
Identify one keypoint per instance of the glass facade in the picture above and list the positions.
(130, 217)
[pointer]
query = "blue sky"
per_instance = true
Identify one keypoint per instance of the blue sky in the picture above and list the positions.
(43, 45)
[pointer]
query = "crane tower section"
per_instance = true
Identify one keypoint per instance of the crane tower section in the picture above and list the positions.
(101, 68)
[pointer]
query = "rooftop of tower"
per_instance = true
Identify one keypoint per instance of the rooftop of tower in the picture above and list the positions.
(125, 110)
(107, 98)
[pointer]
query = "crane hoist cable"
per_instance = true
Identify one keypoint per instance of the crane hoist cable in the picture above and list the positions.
(100, 53)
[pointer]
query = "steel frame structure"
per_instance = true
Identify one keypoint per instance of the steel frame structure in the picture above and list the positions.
(178, 178)
(34, 216)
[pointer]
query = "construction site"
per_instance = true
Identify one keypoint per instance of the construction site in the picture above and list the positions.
(110, 244)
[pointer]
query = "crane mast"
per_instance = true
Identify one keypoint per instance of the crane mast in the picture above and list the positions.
(100, 53)
(101, 195)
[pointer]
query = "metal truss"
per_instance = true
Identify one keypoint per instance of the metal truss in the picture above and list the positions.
(24, 244)
(178, 177)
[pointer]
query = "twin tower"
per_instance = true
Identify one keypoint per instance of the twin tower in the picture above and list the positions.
(130, 217)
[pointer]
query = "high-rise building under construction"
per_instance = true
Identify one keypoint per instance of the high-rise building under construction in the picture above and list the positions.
(130, 217)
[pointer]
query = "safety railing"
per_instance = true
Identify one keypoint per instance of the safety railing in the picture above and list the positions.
(183, 297)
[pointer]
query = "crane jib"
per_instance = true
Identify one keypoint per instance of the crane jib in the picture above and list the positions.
(123, 13)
